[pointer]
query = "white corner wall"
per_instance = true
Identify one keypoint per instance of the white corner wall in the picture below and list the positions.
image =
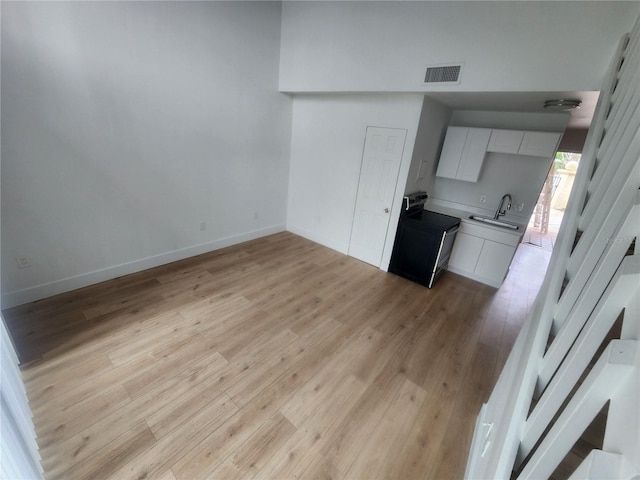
(434, 120)
(327, 141)
(128, 126)
(504, 46)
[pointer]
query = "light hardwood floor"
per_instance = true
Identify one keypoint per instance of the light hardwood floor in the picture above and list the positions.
(276, 358)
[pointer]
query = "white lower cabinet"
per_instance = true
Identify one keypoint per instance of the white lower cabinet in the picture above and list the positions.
(494, 261)
(483, 254)
(466, 252)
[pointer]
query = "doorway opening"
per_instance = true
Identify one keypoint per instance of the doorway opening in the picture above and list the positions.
(545, 221)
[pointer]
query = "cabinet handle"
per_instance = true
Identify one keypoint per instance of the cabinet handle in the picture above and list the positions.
(386, 210)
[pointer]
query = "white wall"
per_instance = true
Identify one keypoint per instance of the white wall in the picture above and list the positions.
(505, 46)
(434, 120)
(326, 153)
(521, 176)
(128, 124)
(573, 140)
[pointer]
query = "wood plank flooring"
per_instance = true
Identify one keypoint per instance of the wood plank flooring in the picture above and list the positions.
(273, 359)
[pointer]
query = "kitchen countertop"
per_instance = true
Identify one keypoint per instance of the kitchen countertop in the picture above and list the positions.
(464, 215)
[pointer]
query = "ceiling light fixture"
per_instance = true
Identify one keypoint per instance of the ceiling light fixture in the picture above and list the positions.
(562, 104)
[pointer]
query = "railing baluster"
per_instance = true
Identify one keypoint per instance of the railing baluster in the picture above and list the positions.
(616, 364)
(614, 300)
(600, 465)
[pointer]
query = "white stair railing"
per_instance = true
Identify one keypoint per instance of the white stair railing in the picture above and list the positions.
(546, 396)
(616, 365)
(603, 465)
(589, 339)
(575, 319)
(19, 455)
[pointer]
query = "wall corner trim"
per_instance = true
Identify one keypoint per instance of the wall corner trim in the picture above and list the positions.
(322, 240)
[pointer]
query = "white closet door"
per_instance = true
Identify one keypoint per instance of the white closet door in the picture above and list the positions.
(381, 158)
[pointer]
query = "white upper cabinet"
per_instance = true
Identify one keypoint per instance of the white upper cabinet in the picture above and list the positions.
(539, 144)
(518, 142)
(505, 141)
(475, 148)
(463, 153)
(452, 152)
(465, 148)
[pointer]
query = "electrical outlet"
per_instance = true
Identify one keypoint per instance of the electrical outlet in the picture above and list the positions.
(23, 262)
(203, 226)
(483, 199)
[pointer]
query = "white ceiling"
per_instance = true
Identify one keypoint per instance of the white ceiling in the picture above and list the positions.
(521, 102)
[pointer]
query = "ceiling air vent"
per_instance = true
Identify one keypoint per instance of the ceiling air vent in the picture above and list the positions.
(443, 74)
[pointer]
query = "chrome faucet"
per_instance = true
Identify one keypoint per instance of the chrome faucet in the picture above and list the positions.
(500, 212)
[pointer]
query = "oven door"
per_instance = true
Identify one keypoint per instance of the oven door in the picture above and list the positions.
(442, 260)
(415, 251)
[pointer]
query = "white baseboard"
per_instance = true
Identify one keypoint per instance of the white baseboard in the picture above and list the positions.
(322, 240)
(18, 297)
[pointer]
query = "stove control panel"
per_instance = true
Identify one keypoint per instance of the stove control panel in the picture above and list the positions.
(415, 199)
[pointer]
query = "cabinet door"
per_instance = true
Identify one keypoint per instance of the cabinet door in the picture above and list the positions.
(505, 141)
(475, 148)
(539, 144)
(452, 150)
(494, 260)
(466, 251)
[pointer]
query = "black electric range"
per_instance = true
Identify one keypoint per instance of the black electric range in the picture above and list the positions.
(423, 243)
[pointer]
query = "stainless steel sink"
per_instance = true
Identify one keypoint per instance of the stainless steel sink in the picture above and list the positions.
(492, 221)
